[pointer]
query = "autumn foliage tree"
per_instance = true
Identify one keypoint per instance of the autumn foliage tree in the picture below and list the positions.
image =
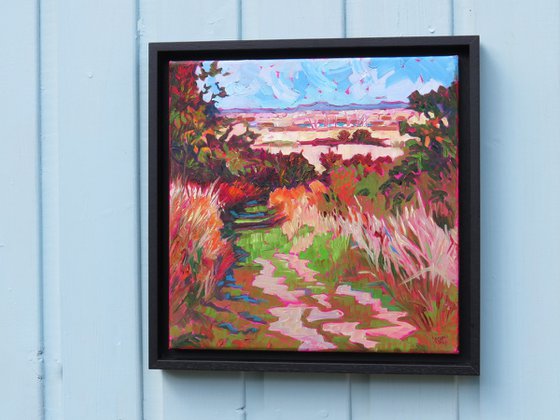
(206, 146)
(198, 134)
(429, 162)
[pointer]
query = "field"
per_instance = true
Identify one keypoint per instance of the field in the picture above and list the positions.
(312, 229)
(316, 132)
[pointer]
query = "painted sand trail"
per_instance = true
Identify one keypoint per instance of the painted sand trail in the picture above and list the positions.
(306, 317)
(275, 285)
(283, 295)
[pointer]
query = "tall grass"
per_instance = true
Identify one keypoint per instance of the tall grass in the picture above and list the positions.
(416, 259)
(411, 241)
(408, 254)
(198, 255)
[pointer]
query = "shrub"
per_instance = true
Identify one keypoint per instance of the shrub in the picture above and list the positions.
(298, 208)
(361, 136)
(236, 192)
(343, 182)
(343, 135)
(293, 169)
(271, 171)
(354, 182)
(330, 160)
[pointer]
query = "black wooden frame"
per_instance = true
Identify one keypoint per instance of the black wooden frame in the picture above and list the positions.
(464, 363)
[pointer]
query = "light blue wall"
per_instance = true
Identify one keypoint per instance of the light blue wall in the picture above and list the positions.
(73, 214)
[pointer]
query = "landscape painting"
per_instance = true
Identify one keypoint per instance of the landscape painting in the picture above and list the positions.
(313, 205)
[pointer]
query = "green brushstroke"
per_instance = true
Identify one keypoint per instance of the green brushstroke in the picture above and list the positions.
(259, 243)
(325, 251)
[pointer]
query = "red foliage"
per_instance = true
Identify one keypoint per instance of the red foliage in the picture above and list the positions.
(379, 165)
(237, 192)
(330, 160)
(343, 184)
(343, 135)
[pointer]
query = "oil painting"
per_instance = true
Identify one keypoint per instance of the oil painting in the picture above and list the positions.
(313, 204)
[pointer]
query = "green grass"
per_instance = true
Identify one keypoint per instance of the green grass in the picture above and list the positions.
(325, 251)
(264, 243)
(256, 209)
(292, 279)
(386, 344)
(255, 220)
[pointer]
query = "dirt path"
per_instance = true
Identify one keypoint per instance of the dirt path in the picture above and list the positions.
(312, 318)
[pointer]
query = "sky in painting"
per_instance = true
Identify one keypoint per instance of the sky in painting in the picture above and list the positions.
(338, 81)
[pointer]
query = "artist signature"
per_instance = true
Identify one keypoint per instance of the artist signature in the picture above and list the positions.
(440, 339)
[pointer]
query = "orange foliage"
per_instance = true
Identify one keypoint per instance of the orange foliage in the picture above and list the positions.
(285, 199)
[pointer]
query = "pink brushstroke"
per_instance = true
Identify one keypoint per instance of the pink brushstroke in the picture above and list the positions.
(299, 266)
(275, 286)
(349, 329)
(290, 316)
(317, 314)
(399, 330)
(322, 299)
(289, 323)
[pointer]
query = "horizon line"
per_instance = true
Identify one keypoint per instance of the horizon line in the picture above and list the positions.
(321, 106)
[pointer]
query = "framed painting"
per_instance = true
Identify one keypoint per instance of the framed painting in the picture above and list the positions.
(314, 205)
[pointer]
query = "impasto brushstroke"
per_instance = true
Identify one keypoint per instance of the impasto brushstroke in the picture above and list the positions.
(314, 205)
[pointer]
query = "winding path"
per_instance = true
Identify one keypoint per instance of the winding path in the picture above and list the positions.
(291, 316)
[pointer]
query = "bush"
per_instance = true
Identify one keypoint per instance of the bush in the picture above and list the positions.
(361, 136)
(279, 170)
(297, 208)
(236, 192)
(354, 182)
(343, 135)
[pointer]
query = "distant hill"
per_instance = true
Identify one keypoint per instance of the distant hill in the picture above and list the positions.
(319, 106)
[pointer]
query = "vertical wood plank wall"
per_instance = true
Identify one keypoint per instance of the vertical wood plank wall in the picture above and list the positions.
(20, 221)
(73, 213)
